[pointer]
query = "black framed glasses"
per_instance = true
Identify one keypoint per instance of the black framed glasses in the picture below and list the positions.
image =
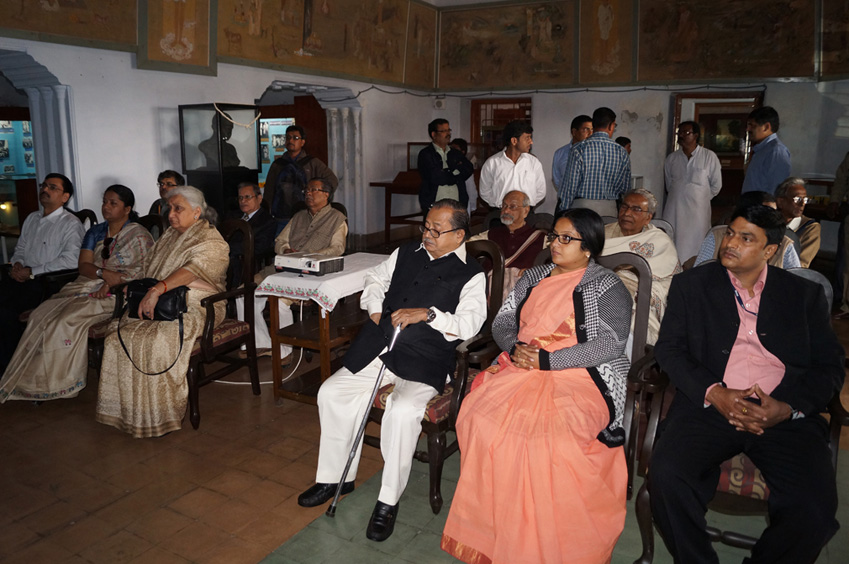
(562, 239)
(108, 247)
(313, 190)
(434, 233)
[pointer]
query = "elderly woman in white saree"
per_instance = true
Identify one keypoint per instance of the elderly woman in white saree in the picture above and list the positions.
(191, 253)
(51, 360)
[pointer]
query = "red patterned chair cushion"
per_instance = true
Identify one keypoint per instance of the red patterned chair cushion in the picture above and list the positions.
(437, 408)
(740, 476)
(228, 330)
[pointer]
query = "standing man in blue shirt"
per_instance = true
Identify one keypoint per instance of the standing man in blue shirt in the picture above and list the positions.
(598, 171)
(770, 161)
(582, 127)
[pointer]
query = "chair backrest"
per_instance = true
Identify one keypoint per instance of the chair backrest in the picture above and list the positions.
(664, 226)
(154, 223)
(609, 219)
(643, 297)
(229, 229)
(484, 249)
(86, 215)
(819, 278)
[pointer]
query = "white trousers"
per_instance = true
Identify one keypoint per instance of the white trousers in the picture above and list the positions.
(341, 408)
(261, 335)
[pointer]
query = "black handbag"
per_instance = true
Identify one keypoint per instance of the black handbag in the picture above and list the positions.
(170, 307)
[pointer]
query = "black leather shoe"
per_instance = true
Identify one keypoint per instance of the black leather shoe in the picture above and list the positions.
(382, 522)
(321, 493)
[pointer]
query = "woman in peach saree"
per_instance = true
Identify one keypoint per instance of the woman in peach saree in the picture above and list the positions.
(543, 475)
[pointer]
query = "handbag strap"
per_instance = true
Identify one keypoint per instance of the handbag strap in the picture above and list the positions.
(123, 346)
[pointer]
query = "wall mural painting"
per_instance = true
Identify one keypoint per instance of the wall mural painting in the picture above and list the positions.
(178, 32)
(356, 37)
(421, 44)
(606, 41)
(690, 39)
(510, 46)
(835, 39)
(107, 21)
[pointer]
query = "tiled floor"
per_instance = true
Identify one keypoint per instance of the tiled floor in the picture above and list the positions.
(77, 491)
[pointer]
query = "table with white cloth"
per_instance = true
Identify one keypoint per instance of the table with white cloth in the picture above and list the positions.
(326, 291)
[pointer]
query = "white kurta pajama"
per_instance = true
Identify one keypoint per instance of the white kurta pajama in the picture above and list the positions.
(691, 184)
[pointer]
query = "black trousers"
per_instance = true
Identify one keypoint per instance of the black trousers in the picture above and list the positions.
(796, 463)
(15, 298)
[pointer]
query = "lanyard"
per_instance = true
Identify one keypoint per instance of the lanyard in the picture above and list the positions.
(740, 301)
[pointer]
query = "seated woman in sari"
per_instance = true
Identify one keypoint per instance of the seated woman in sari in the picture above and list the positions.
(543, 475)
(190, 253)
(51, 360)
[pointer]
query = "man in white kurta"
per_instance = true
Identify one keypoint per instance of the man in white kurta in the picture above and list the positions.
(693, 178)
(514, 168)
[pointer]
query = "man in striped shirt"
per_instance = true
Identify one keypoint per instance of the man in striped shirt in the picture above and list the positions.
(598, 171)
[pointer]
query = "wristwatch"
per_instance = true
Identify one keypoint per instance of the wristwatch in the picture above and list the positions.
(99, 273)
(431, 315)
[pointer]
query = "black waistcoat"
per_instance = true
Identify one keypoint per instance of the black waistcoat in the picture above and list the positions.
(421, 353)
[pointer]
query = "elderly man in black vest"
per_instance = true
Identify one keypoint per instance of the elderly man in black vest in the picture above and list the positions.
(438, 297)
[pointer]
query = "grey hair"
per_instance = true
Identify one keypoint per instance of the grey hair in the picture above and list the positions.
(781, 191)
(196, 200)
(526, 200)
(652, 201)
(257, 190)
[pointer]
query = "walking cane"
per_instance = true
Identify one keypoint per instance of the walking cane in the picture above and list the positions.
(331, 511)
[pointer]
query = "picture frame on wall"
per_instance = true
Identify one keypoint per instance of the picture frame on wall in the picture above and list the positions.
(5, 125)
(8, 169)
(178, 36)
(4, 149)
(29, 159)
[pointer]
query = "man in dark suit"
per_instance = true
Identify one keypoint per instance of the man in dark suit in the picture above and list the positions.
(444, 170)
(261, 222)
(754, 360)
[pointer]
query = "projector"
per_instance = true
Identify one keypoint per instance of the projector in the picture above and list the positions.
(308, 263)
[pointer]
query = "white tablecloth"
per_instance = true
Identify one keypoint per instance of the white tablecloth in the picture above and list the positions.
(324, 290)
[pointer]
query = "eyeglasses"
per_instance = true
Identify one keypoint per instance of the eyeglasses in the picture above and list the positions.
(636, 209)
(511, 207)
(246, 198)
(562, 239)
(51, 186)
(443, 131)
(434, 233)
(168, 184)
(108, 247)
(293, 138)
(685, 133)
(800, 200)
(313, 190)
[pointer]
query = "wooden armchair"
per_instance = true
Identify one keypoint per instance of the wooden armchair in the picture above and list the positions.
(742, 489)
(154, 223)
(221, 344)
(441, 412)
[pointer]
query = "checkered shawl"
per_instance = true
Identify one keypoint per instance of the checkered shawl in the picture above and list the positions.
(602, 318)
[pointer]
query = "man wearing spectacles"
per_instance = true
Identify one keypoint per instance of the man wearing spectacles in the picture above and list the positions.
(50, 241)
(319, 229)
(598, 171)
(514, 168)
(443, 169)
(791, 197)
(520, 241)
(437, 295)
(633, 232)
(289, 174)
(261, 223)
(166, 181)
(693, 178)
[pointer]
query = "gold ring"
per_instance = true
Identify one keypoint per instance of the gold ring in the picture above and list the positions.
(745, 411)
